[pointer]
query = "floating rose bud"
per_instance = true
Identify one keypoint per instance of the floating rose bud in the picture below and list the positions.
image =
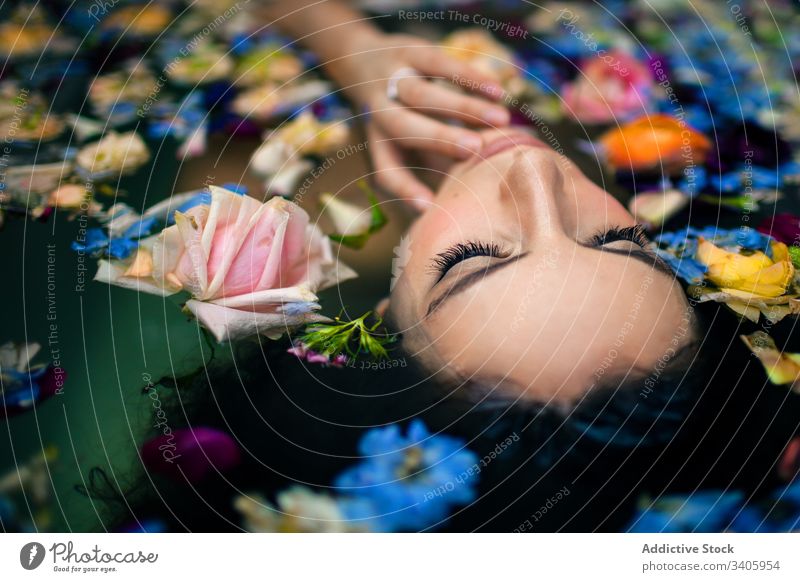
(249, 266)
(191, 453)
(654, 142)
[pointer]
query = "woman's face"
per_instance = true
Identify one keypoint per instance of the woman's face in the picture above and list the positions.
(526, 277)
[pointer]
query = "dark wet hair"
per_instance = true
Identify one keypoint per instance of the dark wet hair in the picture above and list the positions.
(706, 423)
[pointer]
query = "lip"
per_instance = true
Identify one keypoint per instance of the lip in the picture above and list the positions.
(508, 141)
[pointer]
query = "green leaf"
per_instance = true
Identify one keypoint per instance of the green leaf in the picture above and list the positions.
(794, 254)
(378, 218)
(351, 337)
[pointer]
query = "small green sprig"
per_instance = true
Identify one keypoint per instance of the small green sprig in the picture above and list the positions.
(350, 337)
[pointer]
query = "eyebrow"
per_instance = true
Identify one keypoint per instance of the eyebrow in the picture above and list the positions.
(641, 255)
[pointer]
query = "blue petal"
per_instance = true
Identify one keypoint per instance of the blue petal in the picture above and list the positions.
(140, 228)
(686, 268)
(121, 248)
(299, 308)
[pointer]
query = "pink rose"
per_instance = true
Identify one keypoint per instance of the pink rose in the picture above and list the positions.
(250, 267)
(608, 87)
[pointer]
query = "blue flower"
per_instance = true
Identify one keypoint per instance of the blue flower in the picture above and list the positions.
(701, 512)
(684, 267)
(698, 117)
(766, 178)
(679, 248)
(684, 241)
(408, 482)
(97, 244)
(693, 181)
(713, 511)
(790, 171)
(728, 182)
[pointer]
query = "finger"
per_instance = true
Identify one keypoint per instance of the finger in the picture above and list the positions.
(392, 174)
(437, 63)
(414, 130)
(445, 101)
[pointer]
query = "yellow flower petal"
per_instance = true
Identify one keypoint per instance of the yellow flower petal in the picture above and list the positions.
(780, 252)
(781, 368)
(755, 273)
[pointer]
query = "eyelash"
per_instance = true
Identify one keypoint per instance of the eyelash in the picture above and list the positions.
(634, 234)
(448, 259)
(445, 261)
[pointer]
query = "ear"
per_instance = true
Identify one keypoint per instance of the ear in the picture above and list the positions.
(382, 307)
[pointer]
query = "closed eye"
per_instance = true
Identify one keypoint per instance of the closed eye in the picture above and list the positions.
(634, 234)
(459, 252)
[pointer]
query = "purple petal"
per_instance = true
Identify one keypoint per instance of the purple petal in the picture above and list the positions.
(191, 453)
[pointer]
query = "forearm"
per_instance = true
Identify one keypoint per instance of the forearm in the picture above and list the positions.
(331, 29)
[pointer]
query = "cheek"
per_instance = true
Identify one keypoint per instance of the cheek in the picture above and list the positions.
(557, 338)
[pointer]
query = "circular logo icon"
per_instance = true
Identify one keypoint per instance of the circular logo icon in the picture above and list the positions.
(31, 555)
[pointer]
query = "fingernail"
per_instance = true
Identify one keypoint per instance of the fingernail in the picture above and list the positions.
(471, 142)
(496, 116)
(495, 91)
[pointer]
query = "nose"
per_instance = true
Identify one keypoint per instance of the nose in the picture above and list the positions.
(532, 186)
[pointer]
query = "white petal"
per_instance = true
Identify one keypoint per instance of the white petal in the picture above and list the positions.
(260, 299)
(348, 219)
(112, 272)
(227, 324)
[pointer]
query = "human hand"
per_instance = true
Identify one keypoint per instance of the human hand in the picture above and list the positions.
(414, 119)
